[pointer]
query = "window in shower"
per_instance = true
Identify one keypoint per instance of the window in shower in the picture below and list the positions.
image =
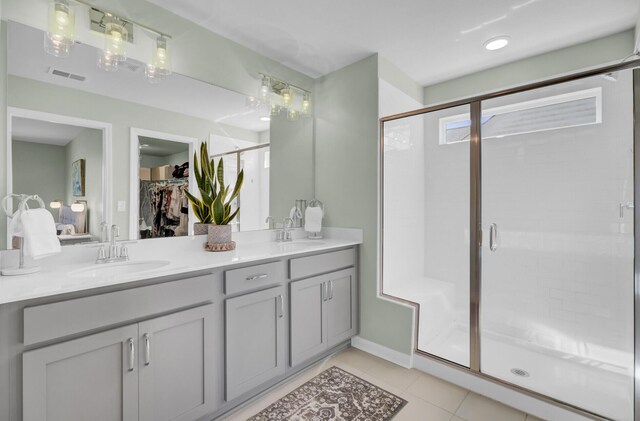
(572, 109)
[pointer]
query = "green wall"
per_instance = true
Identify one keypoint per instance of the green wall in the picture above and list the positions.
(347, 183)
(39, 169)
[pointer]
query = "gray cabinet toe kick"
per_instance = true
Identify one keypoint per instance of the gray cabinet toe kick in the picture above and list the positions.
(177, 348)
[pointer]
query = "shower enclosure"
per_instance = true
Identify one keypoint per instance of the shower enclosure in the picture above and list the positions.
(508, 220)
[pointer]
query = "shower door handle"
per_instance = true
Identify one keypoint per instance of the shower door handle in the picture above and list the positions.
(493, 237)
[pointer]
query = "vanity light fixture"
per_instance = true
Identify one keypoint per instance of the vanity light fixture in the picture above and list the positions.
(497, 43)
(280, 95)
(60, 30)
(56, 204)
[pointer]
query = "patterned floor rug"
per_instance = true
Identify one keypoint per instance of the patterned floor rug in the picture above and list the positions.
(334, 394)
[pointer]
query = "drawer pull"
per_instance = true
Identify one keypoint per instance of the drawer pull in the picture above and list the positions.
(147, 349)
(330, 288)
(258, 276)
(132, 354)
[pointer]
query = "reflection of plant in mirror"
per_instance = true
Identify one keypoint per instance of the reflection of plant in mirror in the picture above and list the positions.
(213, 206)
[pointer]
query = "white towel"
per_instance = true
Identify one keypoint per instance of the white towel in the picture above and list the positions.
(39, 232)
(313, 219)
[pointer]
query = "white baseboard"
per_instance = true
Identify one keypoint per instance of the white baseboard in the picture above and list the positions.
(383, 352)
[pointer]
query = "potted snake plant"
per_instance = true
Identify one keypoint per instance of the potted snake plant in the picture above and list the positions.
(213, 207)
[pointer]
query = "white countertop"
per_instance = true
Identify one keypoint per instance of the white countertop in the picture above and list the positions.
(177, 256)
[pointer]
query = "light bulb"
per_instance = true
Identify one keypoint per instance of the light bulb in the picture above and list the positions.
(114, 41)
(286, 97)
(56, 204)
(306, 104)
(160, 60)
(61, 29)
(265, 87)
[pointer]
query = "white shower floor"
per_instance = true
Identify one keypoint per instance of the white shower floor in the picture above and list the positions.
(595, 389)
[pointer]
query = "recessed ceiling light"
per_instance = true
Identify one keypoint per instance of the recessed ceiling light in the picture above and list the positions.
(265, 118)
(497, 43)
(144, 145)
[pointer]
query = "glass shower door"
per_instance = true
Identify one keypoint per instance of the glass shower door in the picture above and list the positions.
(557, 274)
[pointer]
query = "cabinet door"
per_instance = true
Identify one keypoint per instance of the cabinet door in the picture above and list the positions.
(308, 319)
(254, 334)
(91, 378)
(176, 365)
(341, 306)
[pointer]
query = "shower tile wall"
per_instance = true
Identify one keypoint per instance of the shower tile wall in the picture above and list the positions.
(564, 276)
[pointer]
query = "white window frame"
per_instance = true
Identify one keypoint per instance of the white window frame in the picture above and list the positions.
(526, 105)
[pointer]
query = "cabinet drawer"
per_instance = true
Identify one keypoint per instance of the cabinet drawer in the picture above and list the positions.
(253, 277)
(304, 267)
(50, 321)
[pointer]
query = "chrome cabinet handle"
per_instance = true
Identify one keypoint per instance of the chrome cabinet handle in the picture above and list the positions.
(147, 348)
(493, 237)
(330, 288)
(132, 354)
(280, 306)
(325, 291)
(258, 276)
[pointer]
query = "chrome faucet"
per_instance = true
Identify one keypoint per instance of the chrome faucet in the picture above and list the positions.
(285, 233)
(269, 221)
(115, 253)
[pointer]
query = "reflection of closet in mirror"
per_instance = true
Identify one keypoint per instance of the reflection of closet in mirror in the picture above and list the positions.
(162, 174)
(60, 159)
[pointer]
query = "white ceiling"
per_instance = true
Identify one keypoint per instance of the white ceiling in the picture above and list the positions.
(37, 131)
(177, 93)
(160, 147)
(431, 40)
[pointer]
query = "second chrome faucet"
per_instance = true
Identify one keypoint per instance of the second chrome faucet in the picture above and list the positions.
(114, 253)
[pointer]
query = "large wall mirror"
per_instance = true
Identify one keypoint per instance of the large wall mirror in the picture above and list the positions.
(126, 145)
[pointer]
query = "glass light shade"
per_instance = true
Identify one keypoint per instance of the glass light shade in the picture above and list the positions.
(306, 104)
(107, 62)
(265, 87)
(160, 60)
(77, 207)
(292, 115)
(275, 110)
(287, 97)
(152, 74)
(252, 102)
(61, 29)
(56, 204)
(115, 39)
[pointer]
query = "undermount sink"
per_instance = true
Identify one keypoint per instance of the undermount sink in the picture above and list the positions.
(115, 269)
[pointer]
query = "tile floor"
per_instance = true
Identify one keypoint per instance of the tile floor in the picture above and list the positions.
(429, 398)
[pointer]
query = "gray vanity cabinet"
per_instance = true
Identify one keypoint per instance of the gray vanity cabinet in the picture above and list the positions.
(341, 306)
(255, 340)
(176, 365)
(91, 378)
(322, 313)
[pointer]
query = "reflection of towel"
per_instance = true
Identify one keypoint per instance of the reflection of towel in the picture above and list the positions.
(39, 231)
(313, 219)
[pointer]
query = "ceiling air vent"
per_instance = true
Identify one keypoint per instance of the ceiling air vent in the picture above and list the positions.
(66, 75)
